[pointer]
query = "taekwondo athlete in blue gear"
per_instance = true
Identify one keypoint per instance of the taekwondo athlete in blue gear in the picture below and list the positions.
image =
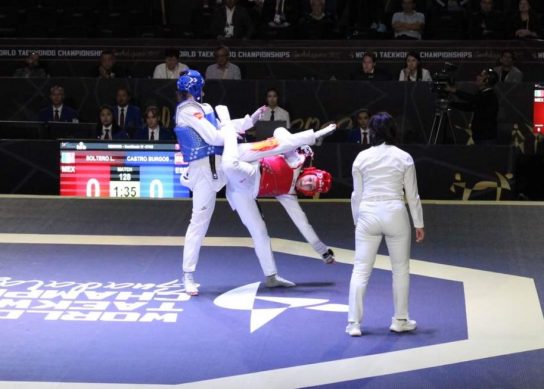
(200, 142)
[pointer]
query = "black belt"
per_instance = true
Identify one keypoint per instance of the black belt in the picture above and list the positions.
(212, 166)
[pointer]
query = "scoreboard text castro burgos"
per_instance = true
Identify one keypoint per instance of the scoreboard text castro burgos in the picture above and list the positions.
(121, 169)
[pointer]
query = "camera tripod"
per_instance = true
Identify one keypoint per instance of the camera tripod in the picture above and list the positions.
(442, 125)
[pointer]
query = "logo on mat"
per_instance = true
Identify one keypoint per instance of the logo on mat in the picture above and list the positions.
(243, 298)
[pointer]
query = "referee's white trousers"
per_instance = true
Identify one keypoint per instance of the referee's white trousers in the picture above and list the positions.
(377, 219)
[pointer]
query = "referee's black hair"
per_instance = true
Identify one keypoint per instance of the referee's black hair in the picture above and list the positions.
(382, 129)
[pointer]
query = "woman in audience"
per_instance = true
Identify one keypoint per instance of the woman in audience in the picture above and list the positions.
(413, 70)
(525, 23)
(106, 128)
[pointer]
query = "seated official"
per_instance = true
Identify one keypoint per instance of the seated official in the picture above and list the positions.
(153, 131)
(57, 111)
(361, 133)
(369, 71)
(106, 128)
(274, 111)
(127, 116)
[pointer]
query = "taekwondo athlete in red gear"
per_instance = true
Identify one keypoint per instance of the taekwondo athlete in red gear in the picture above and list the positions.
(242, 168)
(277, 175)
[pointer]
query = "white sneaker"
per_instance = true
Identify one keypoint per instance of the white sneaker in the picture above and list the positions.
(353, 329)
(328, 257)
(402, 325)
(275, 280)
(191, 287)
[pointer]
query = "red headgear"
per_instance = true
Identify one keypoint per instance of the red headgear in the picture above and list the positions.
(323, 181)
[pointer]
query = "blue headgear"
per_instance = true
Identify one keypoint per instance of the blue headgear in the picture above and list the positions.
(191, 81)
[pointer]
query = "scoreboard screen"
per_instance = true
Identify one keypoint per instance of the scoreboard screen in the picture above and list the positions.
(538, 109)
(121, 169)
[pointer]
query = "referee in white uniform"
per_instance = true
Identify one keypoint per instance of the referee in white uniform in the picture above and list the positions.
(380, 174)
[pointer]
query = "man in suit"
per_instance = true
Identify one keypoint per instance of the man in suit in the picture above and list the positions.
(360, 134)
(369, 71)
(127, 116)
(57, 111)
(231, 22)
(153, 130)
(274, 111)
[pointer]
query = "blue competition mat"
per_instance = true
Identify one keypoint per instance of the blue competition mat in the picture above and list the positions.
(116, 314)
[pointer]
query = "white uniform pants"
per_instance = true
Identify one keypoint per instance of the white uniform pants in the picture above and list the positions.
(242, 172)
(377, 219)
(249, 213)
(204, 188)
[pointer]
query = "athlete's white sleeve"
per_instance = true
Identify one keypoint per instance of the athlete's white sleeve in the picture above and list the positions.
(297, 215)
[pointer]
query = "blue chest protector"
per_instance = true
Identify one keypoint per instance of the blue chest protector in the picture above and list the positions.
(191, 144)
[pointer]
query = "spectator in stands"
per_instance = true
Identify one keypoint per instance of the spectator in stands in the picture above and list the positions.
(279, 18)
(413, 69)
(484, 104)
(274, 111)
(451, 5)
(57, 111)
(255, 11)
(369, 71)
(171, 68)
(231, 22)
(447, 19)
(278, 13)
(317, 24)
(486, 23)
(525, 23)
(106, 128)
(360, 17)
(506, 71)
(360, 134)
(108, 67)
(222, 69)
(32, 68)
(153, 130)
(127, 116)
(408, 24)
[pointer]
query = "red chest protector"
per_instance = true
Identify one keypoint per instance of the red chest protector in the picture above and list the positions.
(276, 177)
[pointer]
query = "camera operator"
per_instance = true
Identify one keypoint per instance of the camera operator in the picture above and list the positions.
(484, 104)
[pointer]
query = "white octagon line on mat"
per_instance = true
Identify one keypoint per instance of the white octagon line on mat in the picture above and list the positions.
(503, 317)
